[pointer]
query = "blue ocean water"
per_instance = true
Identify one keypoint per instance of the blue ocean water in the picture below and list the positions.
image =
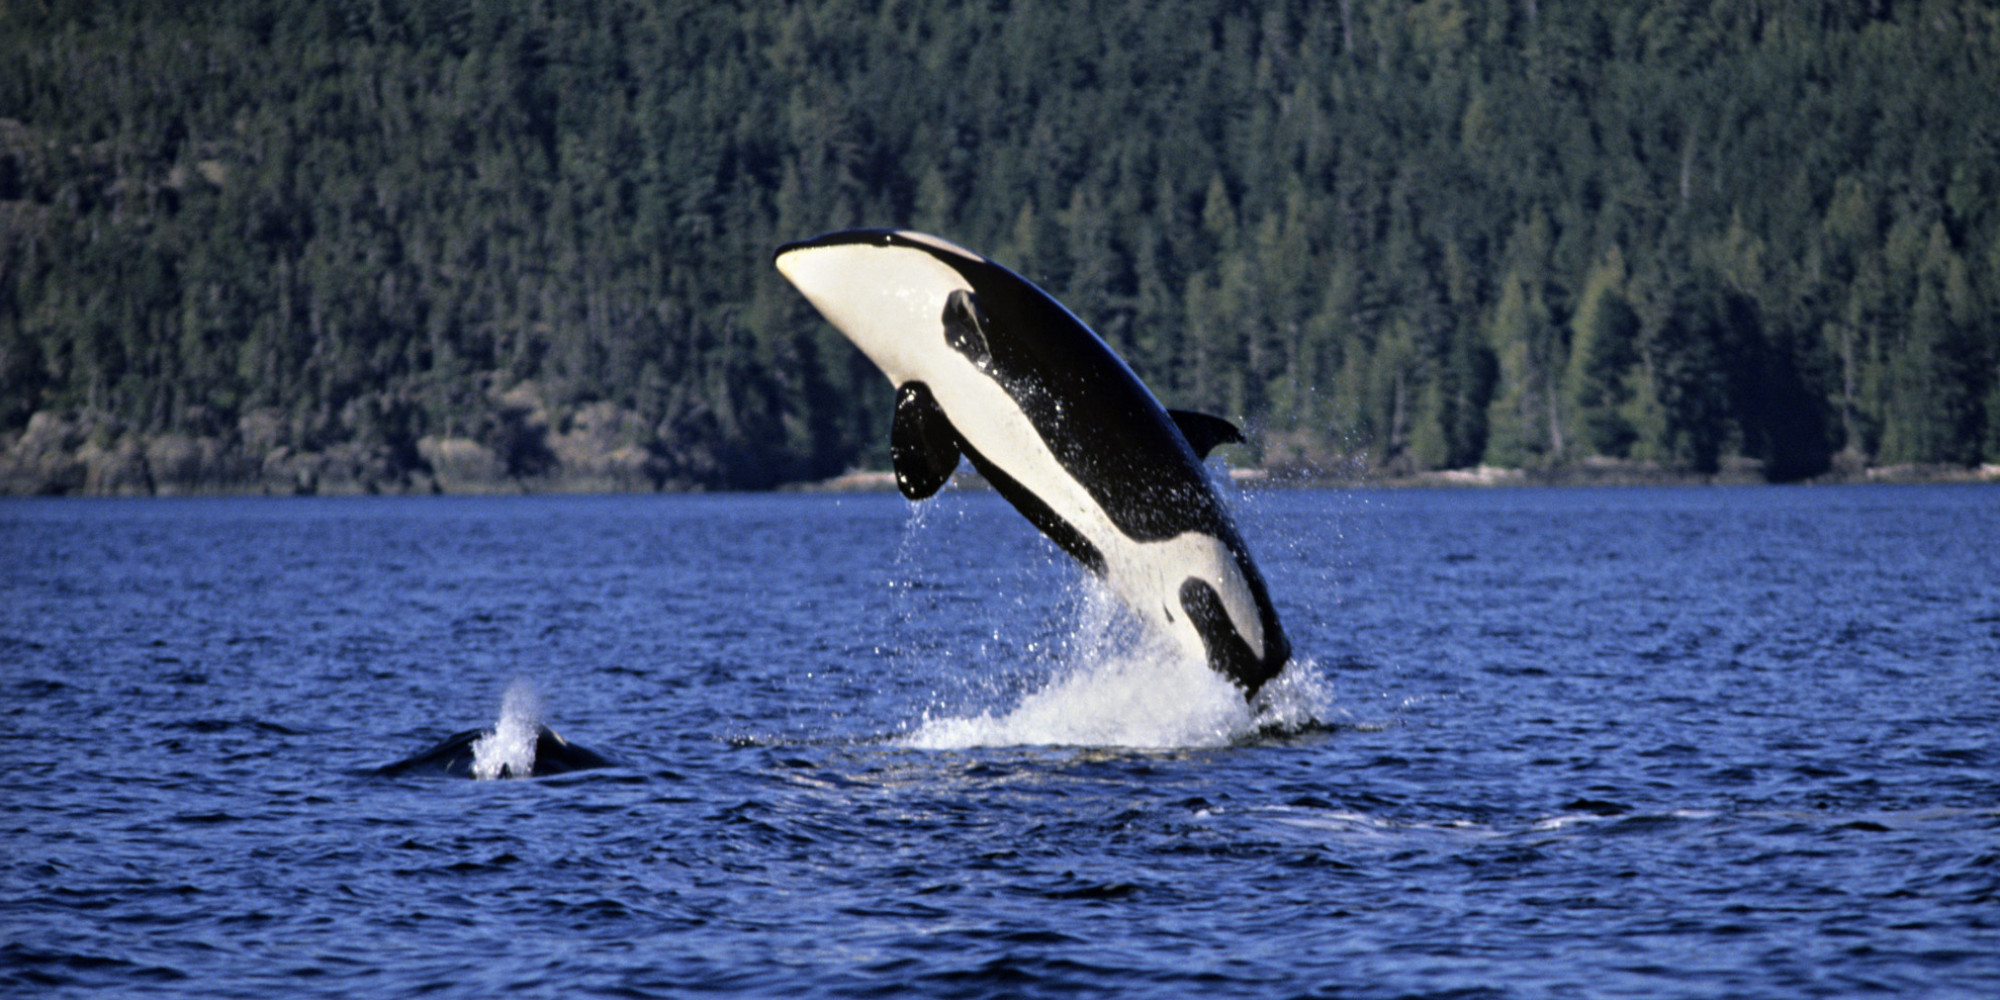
(1699, 742)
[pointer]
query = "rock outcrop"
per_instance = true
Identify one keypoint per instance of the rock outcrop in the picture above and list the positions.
(523, 444)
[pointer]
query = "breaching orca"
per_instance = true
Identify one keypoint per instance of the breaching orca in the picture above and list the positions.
(454, 757)
(988, 366)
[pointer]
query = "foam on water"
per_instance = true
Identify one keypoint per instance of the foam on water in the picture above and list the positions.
(509, 750)
(1298, 699)
(1120, 686)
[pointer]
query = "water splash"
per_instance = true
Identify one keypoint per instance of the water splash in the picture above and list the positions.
(1120, 686)
(509, 750)
(1299, 699)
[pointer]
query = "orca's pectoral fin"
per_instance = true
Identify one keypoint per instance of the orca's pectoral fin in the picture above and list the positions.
(1204, 431)
(923, 444)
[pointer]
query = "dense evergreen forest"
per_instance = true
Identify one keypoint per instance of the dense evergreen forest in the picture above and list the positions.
(463, 244)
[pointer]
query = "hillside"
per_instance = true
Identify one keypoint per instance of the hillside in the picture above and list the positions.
(415, 245)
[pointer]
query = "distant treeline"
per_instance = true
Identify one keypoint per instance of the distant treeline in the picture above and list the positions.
(1685, 234)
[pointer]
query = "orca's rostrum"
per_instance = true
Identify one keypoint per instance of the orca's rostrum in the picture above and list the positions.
(990, 367)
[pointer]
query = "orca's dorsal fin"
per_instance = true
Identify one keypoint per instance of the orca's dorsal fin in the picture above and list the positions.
(1204, 431)
(923, 445)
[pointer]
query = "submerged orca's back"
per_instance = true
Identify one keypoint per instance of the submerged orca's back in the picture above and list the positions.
(455, 757)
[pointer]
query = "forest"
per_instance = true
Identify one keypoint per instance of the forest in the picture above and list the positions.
(420, 245)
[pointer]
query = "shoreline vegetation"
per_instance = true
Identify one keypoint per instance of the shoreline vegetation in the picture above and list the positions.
(72, 456)
(457, 246)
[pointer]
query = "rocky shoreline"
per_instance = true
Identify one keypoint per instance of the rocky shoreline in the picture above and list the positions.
(72, 454)
(81, 454)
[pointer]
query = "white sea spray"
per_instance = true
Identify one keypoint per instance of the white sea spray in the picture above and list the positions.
(1119, 686)
(509, 750)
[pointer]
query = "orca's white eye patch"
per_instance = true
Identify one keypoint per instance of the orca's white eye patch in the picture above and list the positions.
(965, 328)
